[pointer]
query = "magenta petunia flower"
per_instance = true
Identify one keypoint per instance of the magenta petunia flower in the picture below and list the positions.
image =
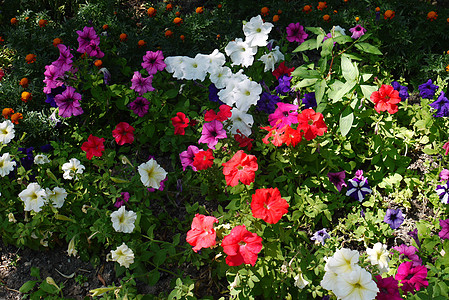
(153, 62)
(121, 201)
(338, 179)
(410, 253)
(388, 288)
(68, 103)
(444, 233)
(212, 132)
(140, 106)
(296, 33)
(93, 50)
(359, 175)
(64, 62)
(444, 175)
(52, 74)
(85, 37)
(412, 278)
(446, 147)
(141, 84)
(286, 112)
(188, 156)
(357, 31)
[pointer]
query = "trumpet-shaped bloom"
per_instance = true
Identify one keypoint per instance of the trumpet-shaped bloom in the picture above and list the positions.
(241, 167)
(153, 62)
(68, 103)
(140, 106)
(180, 122)
(242, 121)
(410, 253)
(93, 147)
(56, 196)
(357, 31)
(296, 33)
(444, 232)
(41, 159)
(441, 105)
(222, 115)
(151, 174)
(202, 233)
(123, 221)
(72, 168)
(358, 189)
(311, 123)
(6, 164)
(247, 93)
(86, 37)
(123, 133)
(356, 285)
(388, 288)
(123, 255)
(211, 133)
(219, 75)
(378, 255)
(287, 114)
(394, 218)
(282, 70)
(52, 74)
(412, 278)
(268, 205)
(343, 261)
(267, 103)
(141, 84)
(386, 99)
(320, 236)
(34, 197)
(403, 90)
(300, 282)
(272, 58)
(427, 90)
(203, 159)
(240, 52)
(188, 156)
(256, 31)
(443, 192)
(194, 68)
(338, 179)
(124, 198)
(241, 246)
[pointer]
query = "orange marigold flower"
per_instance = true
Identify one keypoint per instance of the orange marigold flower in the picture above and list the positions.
(389, 14)
(182, 37)
(447, 68)
(275, 18)
(30, 58)
(26, 96)
(123, 37)
(307, 8)
(322, 5)
(105, 27)
(177, 21)
(1, 39)
(14, 21)
(199, 10)
(42, 22)
(219, 5)
(279, 11)
(16, 117)
(378, 8)
(7, 112)
(432, 15)
(326, 18)
(151, 12)
(98, 63)
(168, 33)
(56, 42)
(24, 82)
(218, 36)
(357, 19)
(264, 11)
(169, 7)
(26, 18)
(141, 43)
(447, 52)
(178, 13)
(335, 11)
(346, 0)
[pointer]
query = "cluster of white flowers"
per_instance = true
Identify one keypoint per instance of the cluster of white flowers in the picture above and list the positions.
(7, 132)
(34, 197)
(346, 279)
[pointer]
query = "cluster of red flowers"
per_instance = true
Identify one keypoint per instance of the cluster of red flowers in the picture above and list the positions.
(180, 122)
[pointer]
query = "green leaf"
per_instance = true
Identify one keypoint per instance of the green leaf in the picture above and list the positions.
(154, 277)
(346, 88)
(343, 39)
(346, 120)
(368, 48)
(306, 45)
(160, 257)
(367, 90)
(27, 286)
(171, 94)
(349, 70)
(327, 47)
(305, 82)
(281, 178)
(319, 40)
(302, 72)
(316, 30)
(320, 87)
(35, 272)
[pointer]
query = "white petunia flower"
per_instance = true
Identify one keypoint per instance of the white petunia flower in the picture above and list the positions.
(195, 68)
(379, 256)
(240, 52)
(219, 76)
(57, 196)
(175, 65)
(272, 58)
(356, 285)
(41, 159)
(123, 221)
(123, 255)
(344, 260)
(72, 168)
(6, 131)
(300, 282)
(242, 121)
(256, 31)
(6, 164)
(71, 250)
(247, 93)
(339, 29)
(151, 174)
(212, 61)
(33, 197)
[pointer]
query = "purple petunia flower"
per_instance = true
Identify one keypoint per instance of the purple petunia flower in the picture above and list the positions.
(212, 132)
(140, 106)
(394, 218)
(85, 37)
(338, 179)
(122, 200)
(320, 236)
(444, 233)
(410, 253)
(141, 84)
(51, 96)
(213, 94)
(414, 235)
(357, 31)
(284, 85)
(68, 103)
(28, 160)
(267, 102)
(93, 50)
(161, 187)
(296, 33)
(358, 189)
(403, 90)
(443, 192)
(441, 105)
(309, 101)
(444, 175)
(64, 62)
(153, 62)
(286, 112)
(188, 156)
(52, 74)
(46, 148)
(427, 90)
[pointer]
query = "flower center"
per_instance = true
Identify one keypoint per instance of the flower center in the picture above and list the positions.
(242, 243)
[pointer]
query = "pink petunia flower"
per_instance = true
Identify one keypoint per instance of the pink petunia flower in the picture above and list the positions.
(202, 233)
(212, 132)
(140, 106)
(286, 112)
(188, 156)
(68, 103)
(141, 84)
(388, 288)
(85, 37)
(153, 62)
(412, 278)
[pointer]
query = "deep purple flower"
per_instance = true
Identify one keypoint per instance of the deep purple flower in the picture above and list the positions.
(267, 102)
(51, 96)
(85, 37)
(403, 90)
(443, 192)
(309, 101)
(444, 233)
(68, 103)
(410, 253)
(394, 218)
(441, 105)
(122, 200)
(46, 148)
(140, 106)
(153, 62)
(427, 90)
(338, 179)
(444, 175)
(357, 31)
(358, 189)
(213, 94)
(414, 235)
(296, 33)
(320, 236)
(212, 132)
(161, 187)
(188, 156)
(52, 74)
(141, 84)
(284, 85)
(286, 112)
(388, 288)
(28, 160)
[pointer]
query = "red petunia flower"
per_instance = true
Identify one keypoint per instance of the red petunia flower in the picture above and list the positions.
(203, 160)
(312, 123)
(243, 140)
(275, 133)
(93, 147)
(268, 205)
(386, 99)
(291, 136)
(224, 114)
(240, 167)
(180, 122)
(241, 246)
(282, 70)
(412, 278)
(388, 288)
(202, 234)
(123, 133)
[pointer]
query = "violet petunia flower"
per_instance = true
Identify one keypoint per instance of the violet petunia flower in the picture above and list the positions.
(284, 85)
(140, 106)
(427, 90)
(188, 156)
(410, 253)
(394, 218)
(267, 102)
(93, 50)
(414, 235)
(212, 132)
(443, 192)
(213, 94)
(444, 233)
(122, 200)
(444, 175)
(68, 103)
(286, 112)
(161, 187)
(441, 105)
(28, 160)
(338, 179)
(357, 31)
(51, 96)
(296, 33)
(52, 81)
(153, 62)
(141, 84)
(85, 37)
(358, 189)
(309, 101)
(320, 236)
(403, 90)
(64, 61)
